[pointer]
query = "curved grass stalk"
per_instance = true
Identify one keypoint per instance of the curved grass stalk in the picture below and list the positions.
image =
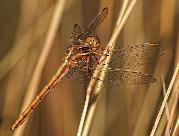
(162, 108)
(32, 89)
(86, 124)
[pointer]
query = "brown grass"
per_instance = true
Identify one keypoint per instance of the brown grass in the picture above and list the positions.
(34, 83)
(119, 25)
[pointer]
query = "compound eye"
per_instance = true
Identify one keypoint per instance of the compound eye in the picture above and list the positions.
(95, 41)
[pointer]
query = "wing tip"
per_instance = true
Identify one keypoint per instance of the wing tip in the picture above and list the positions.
(105, 9)
(76, 25)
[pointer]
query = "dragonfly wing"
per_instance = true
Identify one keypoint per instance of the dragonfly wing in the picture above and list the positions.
(76, 31)
(114, 77)
(75, 34)
(94, 24)
(79, 75)
(134, 56)
(119, 77)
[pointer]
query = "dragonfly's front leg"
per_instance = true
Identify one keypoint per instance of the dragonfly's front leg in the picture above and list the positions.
(87, 66)
(96, 57)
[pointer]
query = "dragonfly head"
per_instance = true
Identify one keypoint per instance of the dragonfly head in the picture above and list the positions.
(93, 42)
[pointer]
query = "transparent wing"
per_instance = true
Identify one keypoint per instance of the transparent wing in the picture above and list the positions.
(80, 76)
(74, 36)
(94, 24)
(76, 32)
(134, 56)
(114, 77)
(119, 77)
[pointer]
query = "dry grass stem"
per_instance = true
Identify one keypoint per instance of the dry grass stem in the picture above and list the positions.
(26, 41)
(164, 101)
(164, 93)
(85, 109)
(173, 109)
(122, 11)
(32, 89)
(110, 47)
(176, 127)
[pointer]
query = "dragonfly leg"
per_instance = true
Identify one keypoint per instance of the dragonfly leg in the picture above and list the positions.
(87, 66)
(95, 59)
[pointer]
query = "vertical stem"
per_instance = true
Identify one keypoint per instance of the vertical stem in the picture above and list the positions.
(110, 47)
(31, 92)
(164, 102)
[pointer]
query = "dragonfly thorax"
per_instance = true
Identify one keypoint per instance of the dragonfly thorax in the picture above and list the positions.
(90, 44)
(84, 51)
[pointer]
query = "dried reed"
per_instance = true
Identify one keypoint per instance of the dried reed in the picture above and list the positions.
(40, 26)
(160, 113)
(110, 46)
(173, 109)
(164, 93)
(32, 89)
(176, 128)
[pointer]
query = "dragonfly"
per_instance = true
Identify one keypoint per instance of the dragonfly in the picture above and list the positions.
(81, 57)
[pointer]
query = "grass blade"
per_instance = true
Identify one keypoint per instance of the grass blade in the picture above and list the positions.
(32, 89)
(110, 47)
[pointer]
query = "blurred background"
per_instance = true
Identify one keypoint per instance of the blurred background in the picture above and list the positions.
(120, 111)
